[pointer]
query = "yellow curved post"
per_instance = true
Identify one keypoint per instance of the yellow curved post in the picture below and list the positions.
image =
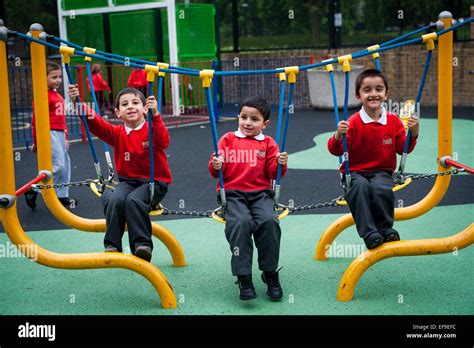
(17, 235)
(403, 248)
(437, 192)
(40, 94)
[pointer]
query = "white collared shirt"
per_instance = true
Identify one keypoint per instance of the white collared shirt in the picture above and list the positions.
(128, 129)
(258, 137)
(367, 119)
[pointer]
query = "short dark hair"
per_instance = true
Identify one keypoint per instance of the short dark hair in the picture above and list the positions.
(52, 66)
(129, 90)
(259, 103)
(369, 73)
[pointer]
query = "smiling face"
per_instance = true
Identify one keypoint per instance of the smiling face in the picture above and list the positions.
(131, 110)
(251, 121)
(372, 93)
(54, 78)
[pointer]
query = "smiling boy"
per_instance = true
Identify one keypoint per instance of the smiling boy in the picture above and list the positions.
(130, 202)
(374, 137)
(250, 211)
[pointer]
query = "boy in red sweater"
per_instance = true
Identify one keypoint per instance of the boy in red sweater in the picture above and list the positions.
(374, 137)
(59, 139)
(130, 202)
(249, 161)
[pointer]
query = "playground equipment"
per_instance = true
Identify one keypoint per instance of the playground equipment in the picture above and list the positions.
(8, 213)
(419, 247)
(38, 41)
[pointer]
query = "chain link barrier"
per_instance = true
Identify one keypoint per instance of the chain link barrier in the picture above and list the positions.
(208, 213)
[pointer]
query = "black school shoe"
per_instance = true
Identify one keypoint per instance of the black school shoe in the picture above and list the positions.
(30, 197)
(143, 252)
(247, 291)
(274, 290)
(373, 240)
(390, 235)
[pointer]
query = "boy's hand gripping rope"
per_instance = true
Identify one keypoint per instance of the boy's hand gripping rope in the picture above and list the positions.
(291, 73)
(96, 107)
(428, 39)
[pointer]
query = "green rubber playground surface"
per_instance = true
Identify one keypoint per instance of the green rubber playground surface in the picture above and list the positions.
(430, 285)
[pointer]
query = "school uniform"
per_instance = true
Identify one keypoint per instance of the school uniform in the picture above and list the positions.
(372, 147)
(129, 202)
(58, 136)
(249, 166)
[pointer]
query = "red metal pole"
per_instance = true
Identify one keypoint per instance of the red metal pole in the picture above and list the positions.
(27, 186)
(455, 164)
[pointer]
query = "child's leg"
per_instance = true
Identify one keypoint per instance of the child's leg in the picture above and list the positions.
(238, 231)
(383, 203)
(359, 201)
(267, 232)
(61, 162)
(137, 209)
(114, 210)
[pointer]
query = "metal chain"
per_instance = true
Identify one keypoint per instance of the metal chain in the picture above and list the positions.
(207, 213)
(70, 184)
(331, 203)
(434, 175)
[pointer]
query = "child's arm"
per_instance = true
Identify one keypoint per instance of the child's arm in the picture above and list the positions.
(100, 128)
(335, 142)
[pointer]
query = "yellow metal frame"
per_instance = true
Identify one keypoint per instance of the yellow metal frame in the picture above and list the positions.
(402, 248)
(9, 216)
(40, 93)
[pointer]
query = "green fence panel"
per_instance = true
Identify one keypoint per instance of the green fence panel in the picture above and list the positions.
(78, 4)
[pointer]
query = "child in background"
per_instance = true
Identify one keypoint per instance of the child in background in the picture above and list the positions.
(374, 137)
(249, 161)
(100, 86)
(137, 79)
(59, 139)
(130, 202)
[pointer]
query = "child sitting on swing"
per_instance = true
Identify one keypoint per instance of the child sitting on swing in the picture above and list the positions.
(249, 161)
(374, 137)
(130, 202)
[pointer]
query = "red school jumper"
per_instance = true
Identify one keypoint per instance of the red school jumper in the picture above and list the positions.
(372, 146)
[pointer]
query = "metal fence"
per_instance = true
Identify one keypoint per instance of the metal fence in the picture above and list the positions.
(228, 93)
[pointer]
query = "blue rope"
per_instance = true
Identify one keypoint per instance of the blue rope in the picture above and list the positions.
(214, 132)
(160, 94)
(118, 56)
(97, 111)
(285, 129)
(150, 145)
(83, 118)
(404, 36)
(377, 64)
(401, 168)
(280, 112)
(347, 173)
(336, 107)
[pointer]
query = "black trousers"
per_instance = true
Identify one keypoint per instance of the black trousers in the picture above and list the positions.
(252, 214)
(129, 204)
(371, 201)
